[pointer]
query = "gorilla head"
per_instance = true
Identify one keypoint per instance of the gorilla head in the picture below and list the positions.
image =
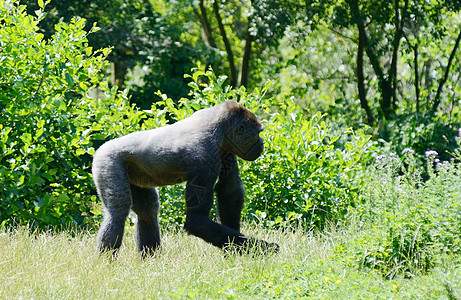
(242, 137)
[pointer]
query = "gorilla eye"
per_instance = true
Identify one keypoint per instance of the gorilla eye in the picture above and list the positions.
(240, 130)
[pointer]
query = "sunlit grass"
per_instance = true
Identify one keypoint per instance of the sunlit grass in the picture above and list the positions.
(61, 266)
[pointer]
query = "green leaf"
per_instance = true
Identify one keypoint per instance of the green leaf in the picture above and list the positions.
(69, 79)
(41, 4)
(80, 152)
(63, 197)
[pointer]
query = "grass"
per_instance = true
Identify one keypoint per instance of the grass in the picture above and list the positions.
(61, 266)
(402, 242)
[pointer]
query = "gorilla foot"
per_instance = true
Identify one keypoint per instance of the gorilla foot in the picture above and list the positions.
(252, 247)
(108, 252)
(148, 251)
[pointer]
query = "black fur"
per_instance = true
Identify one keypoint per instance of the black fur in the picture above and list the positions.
(201, 150)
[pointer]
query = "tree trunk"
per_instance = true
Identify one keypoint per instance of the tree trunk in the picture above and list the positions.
(118, 71)
(206, 30)
(245, 67)
(415, 51)
(230, 54)
(361, 81)
(399, 18)
(415, 48)
(384, 84)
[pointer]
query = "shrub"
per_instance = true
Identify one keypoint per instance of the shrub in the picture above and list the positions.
(407, 222)
(421, 132)
(51, 126)
(48, 121)
(302, 174)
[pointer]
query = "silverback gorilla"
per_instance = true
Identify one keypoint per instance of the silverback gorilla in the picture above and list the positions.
(201, 150)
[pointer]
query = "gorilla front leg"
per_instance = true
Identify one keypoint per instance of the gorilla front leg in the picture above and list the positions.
(230, 195)
(199, 200)
(230, 192)
(225, 237)
(216, 234)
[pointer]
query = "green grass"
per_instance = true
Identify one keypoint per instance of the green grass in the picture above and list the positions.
(402, 242)
(60, 266)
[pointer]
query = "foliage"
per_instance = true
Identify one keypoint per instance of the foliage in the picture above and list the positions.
(243, 31)
(48, 121)
(306, 174)
(310, 50)
(409, 223)
(420, 133)
(51, 126)
(121, 25)
(318, 68)
(162, 64)
(148, 53)
(383, 29)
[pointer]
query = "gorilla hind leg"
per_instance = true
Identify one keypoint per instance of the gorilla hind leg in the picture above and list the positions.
(147, 232)
(111, 180)
(110, 233)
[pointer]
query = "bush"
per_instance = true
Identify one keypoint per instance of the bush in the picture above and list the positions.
(48, 121)
(51, 126)
(302, 174)
(407, 223)
(421, 132)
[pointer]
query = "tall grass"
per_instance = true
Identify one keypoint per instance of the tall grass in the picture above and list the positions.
(403, 241)
(64, 266)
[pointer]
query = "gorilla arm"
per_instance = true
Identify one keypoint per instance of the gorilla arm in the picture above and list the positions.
(199, 200)
(229, 192)
(230, 195)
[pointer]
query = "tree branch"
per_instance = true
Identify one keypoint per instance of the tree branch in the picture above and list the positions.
(396, 44)
(445, 76)
(245, 67)
(415, 48)
(206, 27)
(384, 84)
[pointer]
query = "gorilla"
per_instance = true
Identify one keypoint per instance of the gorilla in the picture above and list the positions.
(201, 150)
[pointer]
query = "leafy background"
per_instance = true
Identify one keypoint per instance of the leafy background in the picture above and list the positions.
(67, 85)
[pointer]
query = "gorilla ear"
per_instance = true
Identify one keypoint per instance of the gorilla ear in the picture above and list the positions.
(239, 109)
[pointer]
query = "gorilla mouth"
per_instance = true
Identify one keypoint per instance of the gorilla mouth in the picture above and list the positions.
(255, 151)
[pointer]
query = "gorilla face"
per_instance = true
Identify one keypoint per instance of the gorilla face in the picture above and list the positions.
(254, 152)
(244, 140)
(253, 148)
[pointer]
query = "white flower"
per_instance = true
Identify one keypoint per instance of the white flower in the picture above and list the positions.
(429, 153)
(408, 150)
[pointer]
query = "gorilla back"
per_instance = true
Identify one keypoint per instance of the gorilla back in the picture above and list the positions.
(201, 150)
